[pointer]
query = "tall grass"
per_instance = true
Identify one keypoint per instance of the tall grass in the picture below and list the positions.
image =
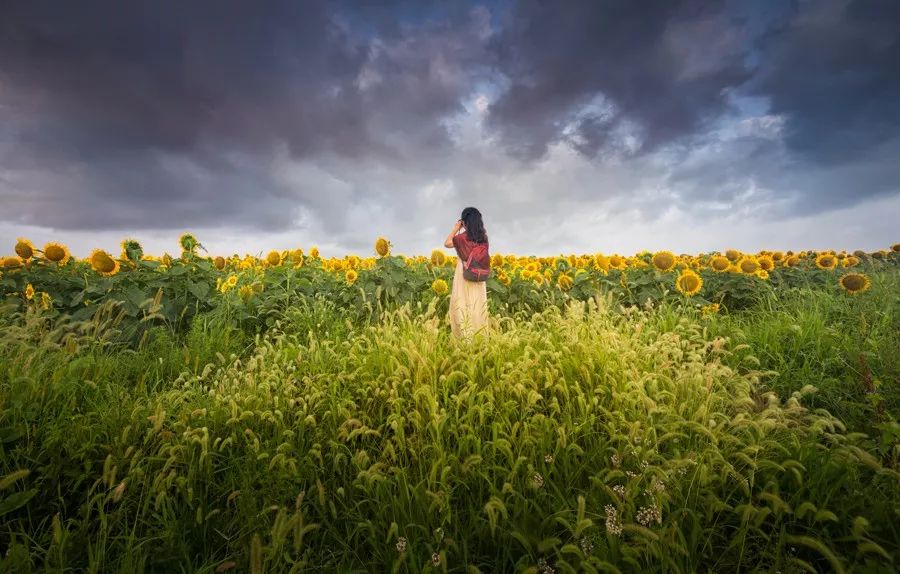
(587, 439)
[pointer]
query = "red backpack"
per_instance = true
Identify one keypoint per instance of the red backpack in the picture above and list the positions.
(472, 269)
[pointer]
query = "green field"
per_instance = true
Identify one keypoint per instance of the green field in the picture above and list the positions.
(314, 431)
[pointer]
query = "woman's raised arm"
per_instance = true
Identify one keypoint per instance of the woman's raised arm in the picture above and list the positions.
(449, 241)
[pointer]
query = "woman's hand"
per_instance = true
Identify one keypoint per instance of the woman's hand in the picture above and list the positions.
(449, 241)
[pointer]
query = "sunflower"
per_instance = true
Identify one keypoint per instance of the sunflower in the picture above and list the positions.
(103, 263)
(748, 265)
(219, 262)
(564, 282)
(664, 260)
(351, 276)
(719, 263)
(538, 279)
(314, 252)
(766, 263)
(850, 261)
(504, 278)
(733, 255)
(167, 260)
(710, 309)
(297, 256)
(854, 283)
(29, 292)
(46, 300)
(11, 262)
(382, 247)
(188, 242)
(826, 261)
(245, 292)
(438, 258)
(24, 248)
(895, 248)
(792, 261)
(778, 257)
(439, 286)
(273, 259)
(132, 250)
(601, 262)
(57, 253)
(688, 283)
(617, 262)
(496, 260)
(762, 273)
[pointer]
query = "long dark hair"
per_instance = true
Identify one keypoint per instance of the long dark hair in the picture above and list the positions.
(471, 219)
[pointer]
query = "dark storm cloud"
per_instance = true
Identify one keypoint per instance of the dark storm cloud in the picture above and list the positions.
(93, 94)
(833, 71)
(261, 115)
(661, 65)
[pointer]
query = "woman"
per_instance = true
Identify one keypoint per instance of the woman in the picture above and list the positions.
(468, 299)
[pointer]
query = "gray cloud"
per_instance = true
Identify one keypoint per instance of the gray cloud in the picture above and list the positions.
(661, 65)
(349, 120)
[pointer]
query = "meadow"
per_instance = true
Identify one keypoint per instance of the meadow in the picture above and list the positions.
(716, 412)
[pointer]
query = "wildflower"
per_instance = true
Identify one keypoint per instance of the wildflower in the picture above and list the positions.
(631, 474)
(103, 263)
(620, 490)
(57, 252)
(854, 283)
(439, 533)
(537, 480)
(586, 545)
(664, 260)
(29, 292)
(24, 248)
(401, 544)
(439, 286)
(438, 258)
(435, 559)
(544, 567)
(647, 515)
(548, 459)
(382, 247)
(613, 525)
(351, 276)
(615, 460)
(688, 283)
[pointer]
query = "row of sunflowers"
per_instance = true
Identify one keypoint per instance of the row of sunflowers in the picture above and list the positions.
(173, 289)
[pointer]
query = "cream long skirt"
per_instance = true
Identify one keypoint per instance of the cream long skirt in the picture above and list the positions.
(468, 305)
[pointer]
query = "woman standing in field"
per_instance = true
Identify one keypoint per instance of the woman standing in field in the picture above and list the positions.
(468, 295)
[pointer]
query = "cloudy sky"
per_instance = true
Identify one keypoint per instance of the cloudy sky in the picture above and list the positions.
(574, 126)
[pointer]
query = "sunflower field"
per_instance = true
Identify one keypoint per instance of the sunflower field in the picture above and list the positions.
(289, 412)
